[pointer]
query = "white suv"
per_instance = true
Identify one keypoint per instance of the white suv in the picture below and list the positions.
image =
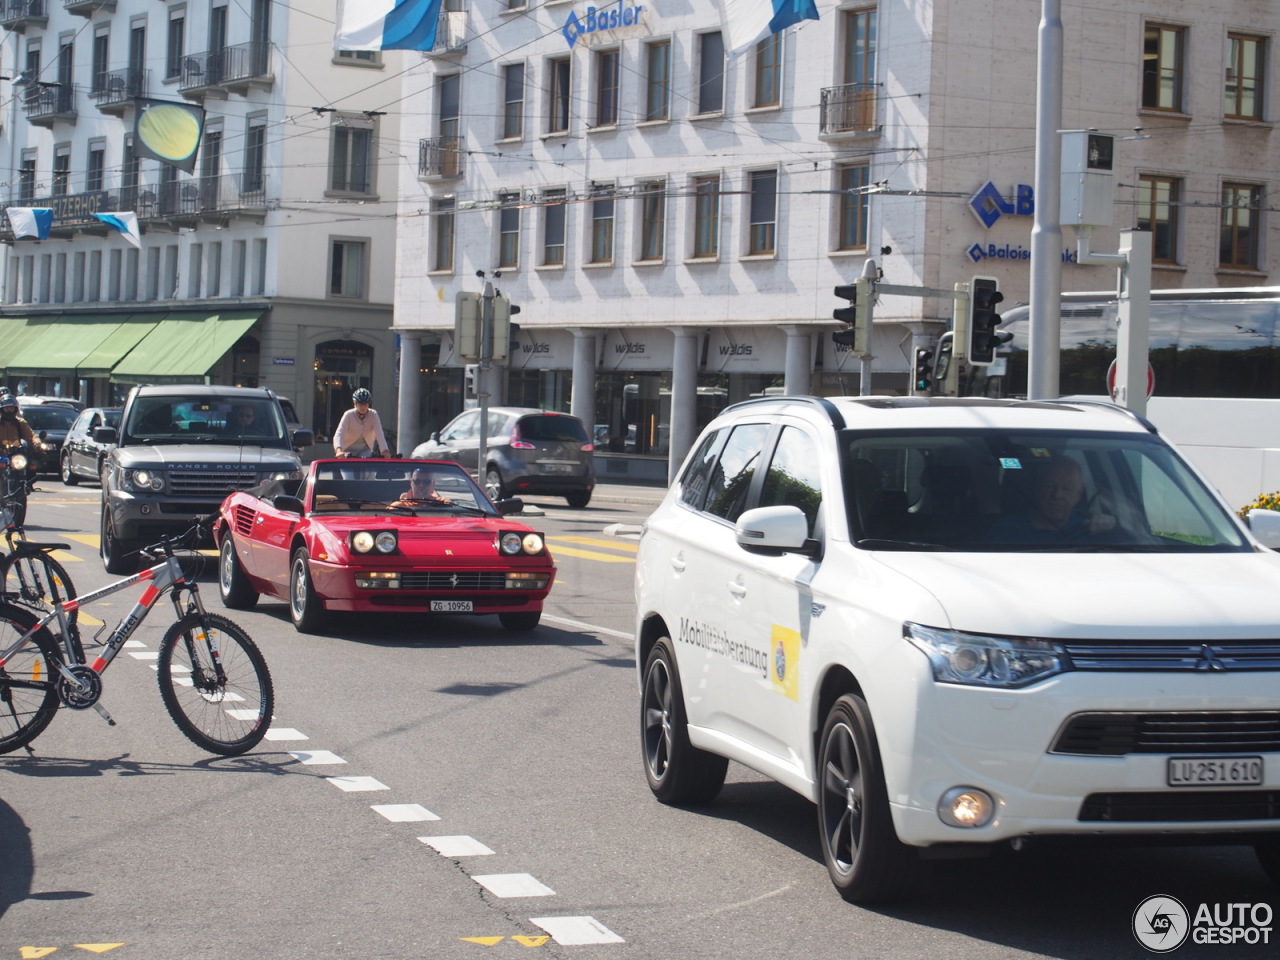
(952, 623)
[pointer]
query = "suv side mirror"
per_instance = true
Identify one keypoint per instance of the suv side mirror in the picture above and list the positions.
(105, 435)
(303, 438)
(1265, 526)
(775, 530)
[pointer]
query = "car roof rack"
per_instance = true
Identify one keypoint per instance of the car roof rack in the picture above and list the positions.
(822, 403)
(1102, 405)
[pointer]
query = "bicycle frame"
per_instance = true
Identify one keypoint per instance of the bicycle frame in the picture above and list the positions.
(167, 577)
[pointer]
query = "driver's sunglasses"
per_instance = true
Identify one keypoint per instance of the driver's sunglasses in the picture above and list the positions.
(422, 481)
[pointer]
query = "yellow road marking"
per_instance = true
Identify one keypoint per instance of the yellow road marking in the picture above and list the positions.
(33, 953)
(530, 941)
(611, 544)
(98, 947)
(592, 555)
(92, 539)
(483, 941)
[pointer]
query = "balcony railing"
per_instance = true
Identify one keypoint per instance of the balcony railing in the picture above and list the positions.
(849, 108)
(87, 8)
(45, 103)
(115, 90)
(451, 33)
(246, 63)
(197, 197)
(201, 72)
(441, 157)
(17, 15)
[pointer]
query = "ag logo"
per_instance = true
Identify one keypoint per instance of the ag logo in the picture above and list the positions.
(1161, 923)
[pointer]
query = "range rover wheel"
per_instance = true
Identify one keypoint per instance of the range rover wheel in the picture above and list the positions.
(866, 861)
(117, 556)
(68, 475)
(678, 772)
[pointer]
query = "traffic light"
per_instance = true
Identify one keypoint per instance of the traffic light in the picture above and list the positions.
(471, 373)
(924, 369)
(857, 314)
(466, 326)
(503, 311)
(984, 296)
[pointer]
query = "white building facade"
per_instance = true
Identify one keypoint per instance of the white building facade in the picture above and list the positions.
(270, 264)
(672, 217)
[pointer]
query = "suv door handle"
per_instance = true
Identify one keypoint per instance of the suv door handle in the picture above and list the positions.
(678, 563)
(738, 588)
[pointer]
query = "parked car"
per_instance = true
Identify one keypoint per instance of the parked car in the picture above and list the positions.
(530, 451)
(343, 538)
(50, 421)
(83, 457)
(33, 400)
(957, 624)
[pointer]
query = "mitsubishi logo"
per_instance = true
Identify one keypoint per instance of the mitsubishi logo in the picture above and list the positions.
(453, 580)
(1209, 660)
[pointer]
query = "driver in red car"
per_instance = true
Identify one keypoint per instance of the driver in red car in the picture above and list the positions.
(422, 489)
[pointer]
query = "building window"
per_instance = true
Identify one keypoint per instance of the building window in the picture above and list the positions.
(61, 170)
(1158, 199)
(653, 220)
(370, 58)
(508, 230)
(558, 79)
(553, 232)
(95, 170)
(1241, 227)
(606, 62)
(239, 258)
(255, 156)
(443, 230)
(602, 225)
(710, 73)
(347, 268)
(1162, 67)
(706, 217)
(259, 288)
(215, 269)
(768, 76)
(27, 176)
(195, 271)
(100, 63)
(1245, 70)
(657, 96)
(177, 38)
(851, 229)
(513, 101)
(764, 212)
(351, 163)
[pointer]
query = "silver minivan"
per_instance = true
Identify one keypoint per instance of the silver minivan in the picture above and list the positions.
(529, 451)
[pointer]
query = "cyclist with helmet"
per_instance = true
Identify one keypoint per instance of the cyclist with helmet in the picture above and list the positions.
(359, 432)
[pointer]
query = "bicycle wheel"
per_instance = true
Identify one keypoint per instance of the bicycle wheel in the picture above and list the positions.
(27, 581)
(226, 712)
(25, 708)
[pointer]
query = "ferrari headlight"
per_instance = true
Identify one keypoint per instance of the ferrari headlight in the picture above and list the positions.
(385, 541)
(18, 461)
(980, 661)
(532, 543)
(509, 543)
(362, 542)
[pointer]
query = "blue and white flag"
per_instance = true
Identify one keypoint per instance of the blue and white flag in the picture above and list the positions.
(125, 223)
(747, 22)
(387, 24)
(30, 221)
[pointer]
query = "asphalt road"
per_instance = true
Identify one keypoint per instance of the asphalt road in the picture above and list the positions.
(440, 788)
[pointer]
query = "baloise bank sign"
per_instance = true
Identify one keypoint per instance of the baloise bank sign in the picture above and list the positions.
(990, 206)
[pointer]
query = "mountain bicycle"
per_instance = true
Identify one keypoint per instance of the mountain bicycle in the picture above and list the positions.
(28, 573)
(213, 679)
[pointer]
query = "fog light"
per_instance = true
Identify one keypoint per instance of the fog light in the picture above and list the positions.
(966, 807)
(378, 580)
(526, 581)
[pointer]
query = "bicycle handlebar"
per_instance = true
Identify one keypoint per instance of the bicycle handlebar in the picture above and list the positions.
(202, 524)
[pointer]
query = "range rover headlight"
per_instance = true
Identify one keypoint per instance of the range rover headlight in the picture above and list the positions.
(362, 542)
(283, 475)
(144, 479)
(977, 660)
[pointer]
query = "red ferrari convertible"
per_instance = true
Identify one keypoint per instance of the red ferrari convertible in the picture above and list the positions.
(391, 536)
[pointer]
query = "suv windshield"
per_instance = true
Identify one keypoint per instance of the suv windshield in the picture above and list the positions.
(171, 419)
(1008, 491)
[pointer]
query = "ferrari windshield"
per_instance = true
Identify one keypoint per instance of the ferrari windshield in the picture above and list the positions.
(412, 487)
(1011, 491)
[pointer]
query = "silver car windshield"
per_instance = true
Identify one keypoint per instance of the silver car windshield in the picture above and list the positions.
(999, 491)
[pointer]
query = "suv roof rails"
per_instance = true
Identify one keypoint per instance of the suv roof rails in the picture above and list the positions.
(1102, 405)
(822, 403)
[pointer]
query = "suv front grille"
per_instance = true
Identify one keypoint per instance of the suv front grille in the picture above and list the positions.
(1120, 734)
(1221, 655)
(212, 485)
(448, 580)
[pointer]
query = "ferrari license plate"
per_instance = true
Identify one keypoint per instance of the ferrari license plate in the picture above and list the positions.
(1215, 771)
(451, 606)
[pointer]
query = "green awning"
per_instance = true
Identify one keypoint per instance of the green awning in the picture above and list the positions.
(119, 340)
(58, 344)
(15, 333)
(184, 346)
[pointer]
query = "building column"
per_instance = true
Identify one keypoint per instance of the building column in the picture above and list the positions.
(407, 422)
(582, 395)
(797, 370)
(684, 397)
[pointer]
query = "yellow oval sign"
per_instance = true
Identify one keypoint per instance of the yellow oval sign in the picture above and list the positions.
(171, 132)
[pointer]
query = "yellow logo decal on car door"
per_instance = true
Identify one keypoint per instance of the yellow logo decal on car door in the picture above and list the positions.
(786, 662)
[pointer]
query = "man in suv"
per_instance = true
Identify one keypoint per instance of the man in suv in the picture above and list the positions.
(953, 624)
(179, 451)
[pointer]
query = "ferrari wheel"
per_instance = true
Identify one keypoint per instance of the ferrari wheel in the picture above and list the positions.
(305, 608)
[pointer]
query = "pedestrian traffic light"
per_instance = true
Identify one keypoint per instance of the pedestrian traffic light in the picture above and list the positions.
(984, 296)
(857, 314)
(924, 369)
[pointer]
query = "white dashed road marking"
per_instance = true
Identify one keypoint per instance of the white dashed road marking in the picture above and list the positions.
(357, 784)
(285, 733)
(514, 885)
(576, 931)
(457, 846)
(404, 812)
(144, 654)
(315, 756)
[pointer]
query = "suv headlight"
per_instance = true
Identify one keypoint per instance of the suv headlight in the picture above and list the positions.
(271, 475)
(143, 480)
(977, 660)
